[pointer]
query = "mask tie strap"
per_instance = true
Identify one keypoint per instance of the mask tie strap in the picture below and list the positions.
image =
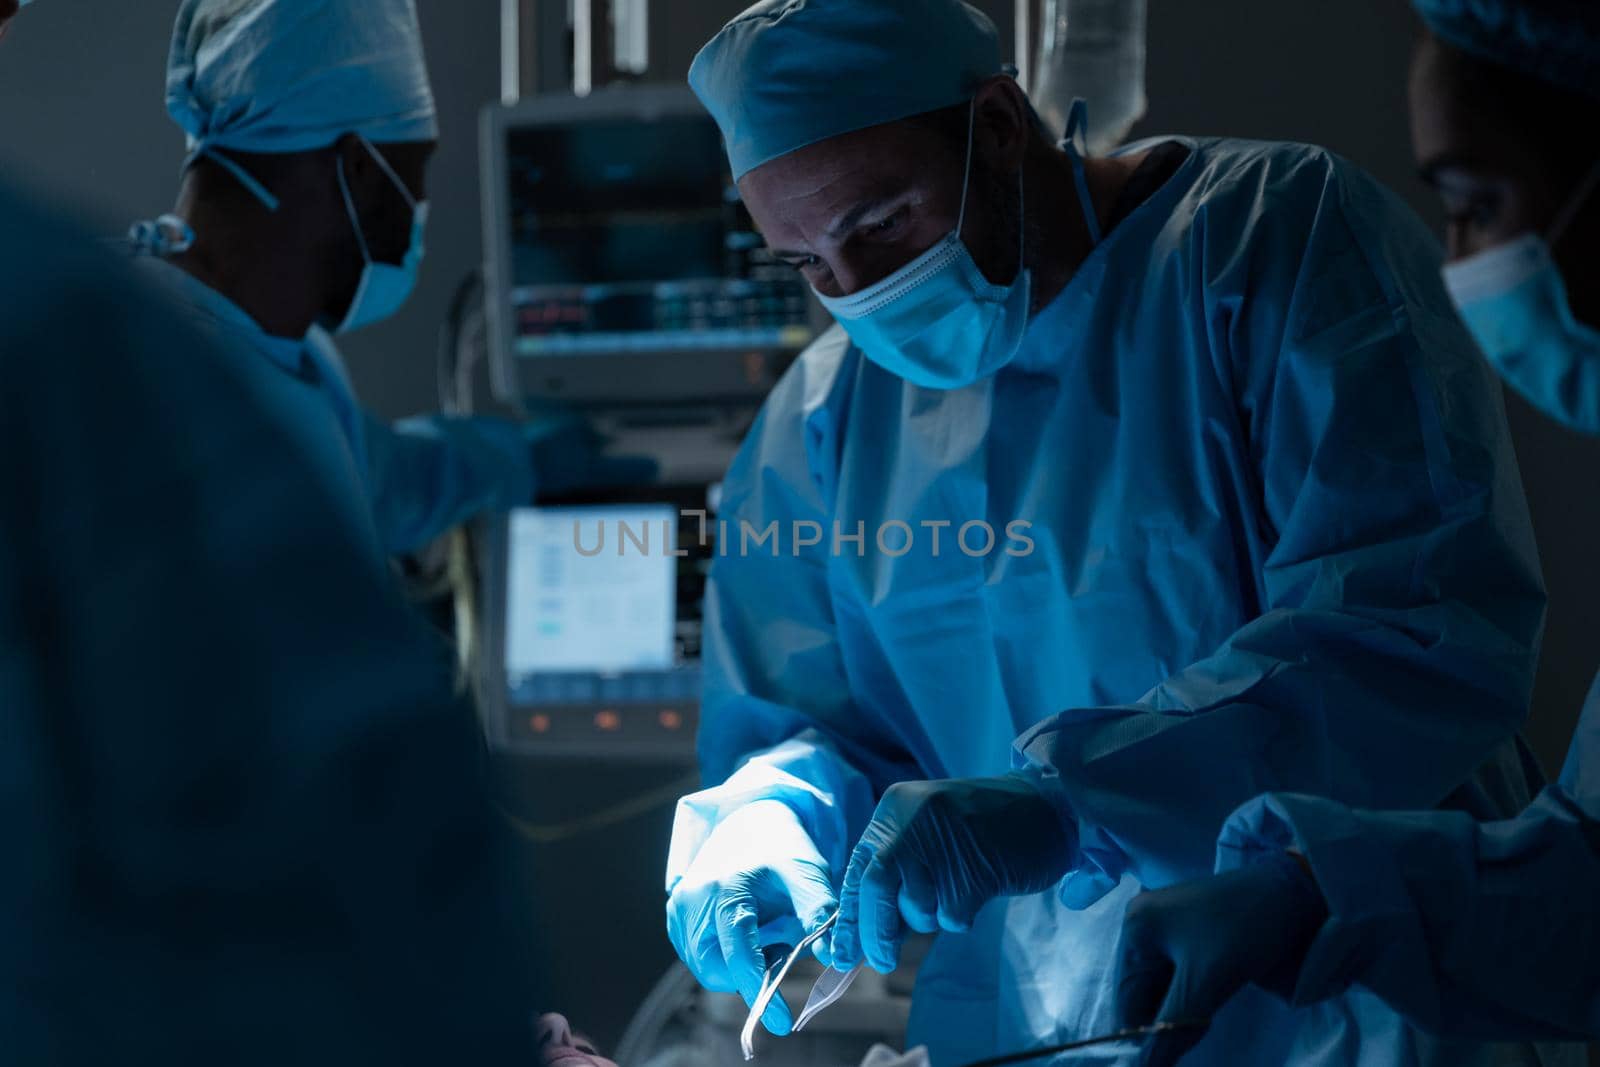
(1077, 130)
(1022, 218)
(1585, 190)
(242, 176)
(350, 209)
(383, 165)
(966, 173)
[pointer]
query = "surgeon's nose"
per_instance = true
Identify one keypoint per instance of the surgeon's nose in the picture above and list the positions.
(846, 279)
(554, 1031)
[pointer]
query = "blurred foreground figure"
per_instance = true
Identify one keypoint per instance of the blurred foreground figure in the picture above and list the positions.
(243, 812)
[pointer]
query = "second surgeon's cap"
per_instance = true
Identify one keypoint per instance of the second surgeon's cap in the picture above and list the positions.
(789, 73)
(296, 75)
(1555, 41)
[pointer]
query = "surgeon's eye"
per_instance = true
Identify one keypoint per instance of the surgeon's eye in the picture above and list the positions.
(888, 227)
(812, 268)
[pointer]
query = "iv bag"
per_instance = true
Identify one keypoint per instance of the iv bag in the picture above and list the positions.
(1092, 49)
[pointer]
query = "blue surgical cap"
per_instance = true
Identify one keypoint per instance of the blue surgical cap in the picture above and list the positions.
(1556, 41)
(296, 75)
(789, 73)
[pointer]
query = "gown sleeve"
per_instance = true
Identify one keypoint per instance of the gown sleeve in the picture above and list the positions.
(1469, 929)
(433, 472)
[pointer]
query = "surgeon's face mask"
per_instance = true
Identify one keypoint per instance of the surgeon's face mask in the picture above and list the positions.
(1514, 300)
(937, 321)
(384, 287)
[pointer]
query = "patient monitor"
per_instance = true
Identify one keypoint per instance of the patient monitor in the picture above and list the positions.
(622, 267)
(624, 280)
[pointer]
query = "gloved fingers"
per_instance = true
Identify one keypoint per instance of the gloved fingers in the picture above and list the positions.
(879, 905)
(739, 938)
(677, 921)
(958, 911)
(846, 939)
(1143, 982)
(692, 928)
(1184, 989)
(821, 906)
(919, 897)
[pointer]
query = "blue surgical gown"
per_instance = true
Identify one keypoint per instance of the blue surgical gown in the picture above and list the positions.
(421, 476)
(1468, 929)
(1279, 537)
(244, 814)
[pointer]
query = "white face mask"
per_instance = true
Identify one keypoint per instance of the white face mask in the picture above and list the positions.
(937, 321)
(384, 287)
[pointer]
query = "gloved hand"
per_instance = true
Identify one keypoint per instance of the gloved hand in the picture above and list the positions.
(757, 881)
(1188, 949)
(936, 852)
(566, 455)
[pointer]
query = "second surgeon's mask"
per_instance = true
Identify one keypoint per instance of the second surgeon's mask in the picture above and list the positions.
(937, 321)
(384, 287)
(1514, 301)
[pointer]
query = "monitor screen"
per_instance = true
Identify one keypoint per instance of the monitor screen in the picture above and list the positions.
(593, 624)
(590, 590)
(628, 236)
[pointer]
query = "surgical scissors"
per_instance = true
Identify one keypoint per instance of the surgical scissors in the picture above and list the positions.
(773, 979)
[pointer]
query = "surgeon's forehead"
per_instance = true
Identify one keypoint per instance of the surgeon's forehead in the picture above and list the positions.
(815, 185)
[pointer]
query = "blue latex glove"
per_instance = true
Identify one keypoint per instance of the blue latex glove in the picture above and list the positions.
(936, 852)
(1188, 949)
(566, 455)
(758, 881)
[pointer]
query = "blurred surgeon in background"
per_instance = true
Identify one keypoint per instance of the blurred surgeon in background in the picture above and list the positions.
(1276, 535)
(302, 215)
(1469, 929)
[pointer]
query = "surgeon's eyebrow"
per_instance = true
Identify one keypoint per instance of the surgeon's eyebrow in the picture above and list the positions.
(851, 219)
(844, 224)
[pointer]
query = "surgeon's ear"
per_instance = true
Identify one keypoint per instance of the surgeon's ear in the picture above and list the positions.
(1003, 124)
